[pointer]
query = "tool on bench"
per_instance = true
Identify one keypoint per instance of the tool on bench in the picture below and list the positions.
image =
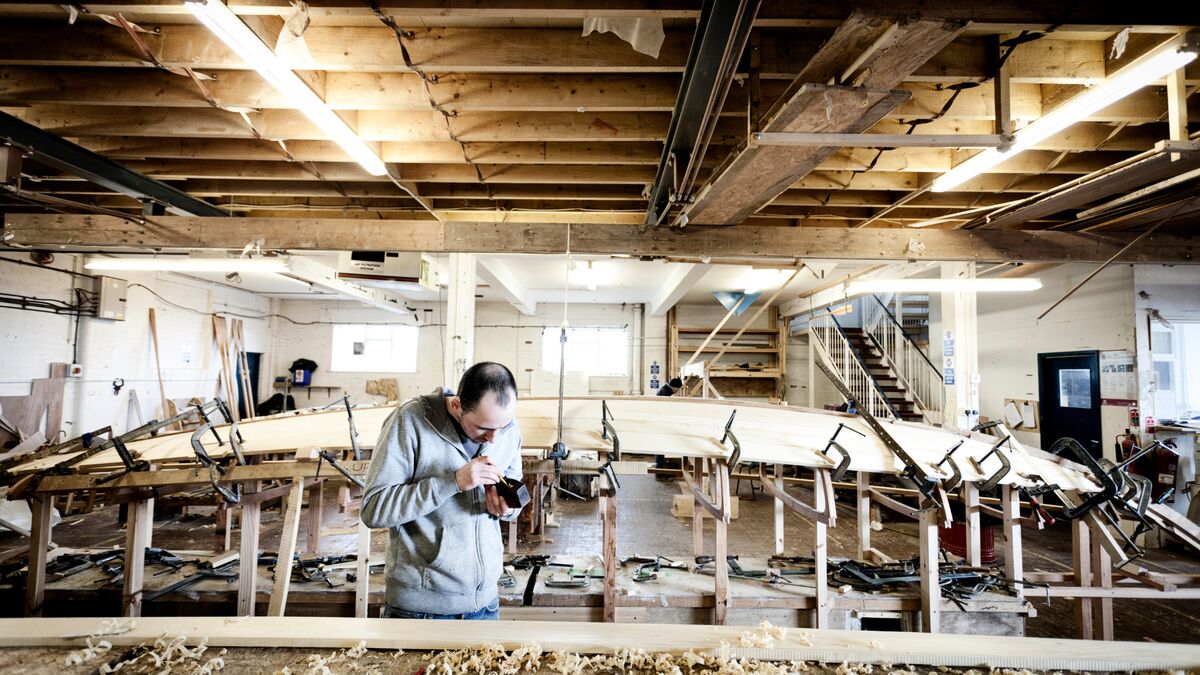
(534, 564)
(70, 564)
(574, 577)
(844, 463)
(706, 564)
(218, 571)
(648, 568)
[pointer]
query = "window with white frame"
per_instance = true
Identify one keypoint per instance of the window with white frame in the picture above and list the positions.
(599, 352)
(366, 348)
(1176, 351)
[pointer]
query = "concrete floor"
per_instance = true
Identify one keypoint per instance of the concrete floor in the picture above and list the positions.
(646, 527)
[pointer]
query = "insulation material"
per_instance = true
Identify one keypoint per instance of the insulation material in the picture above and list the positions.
(646, 35)
(291, 46)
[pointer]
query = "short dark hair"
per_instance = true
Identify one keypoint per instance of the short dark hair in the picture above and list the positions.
(676, 383)
(483, 377)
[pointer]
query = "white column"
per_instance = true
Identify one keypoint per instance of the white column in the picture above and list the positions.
(460, 318)
(960, 350)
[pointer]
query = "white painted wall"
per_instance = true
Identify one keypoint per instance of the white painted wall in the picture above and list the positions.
(30, 342)
(1010, 337)
(502, 334)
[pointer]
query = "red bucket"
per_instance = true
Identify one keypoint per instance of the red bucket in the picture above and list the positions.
(954, 540)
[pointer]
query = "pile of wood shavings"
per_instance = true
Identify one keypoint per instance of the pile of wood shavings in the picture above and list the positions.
(344, 661)
(169, 655)
(529, 657)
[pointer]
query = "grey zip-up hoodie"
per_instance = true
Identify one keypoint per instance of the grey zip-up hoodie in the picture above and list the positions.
(445, 552)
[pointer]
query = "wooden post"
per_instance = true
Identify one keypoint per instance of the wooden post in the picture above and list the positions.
(972, 534)
(722, 600)
(779, 510)
(697, 520)
(1103, 576)
(287, 548)
(248, 553)
(362, 584)
(864, 514)
(41, 507)
(1011, 507)
(316, 502)
(1081, 551)
(821, 550)
(137, 538)
(608, 521)
(931, 590)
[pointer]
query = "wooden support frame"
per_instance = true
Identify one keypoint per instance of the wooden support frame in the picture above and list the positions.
(1014, 567)
(931, 589)
(41, 508)
(972, 532)
(608, 526)
(248, 551)
(287, 548)
(362, 570)
(312, 524)
(716, 500)
(138, 529)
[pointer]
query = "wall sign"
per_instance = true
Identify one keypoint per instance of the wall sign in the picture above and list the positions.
(1118, 378)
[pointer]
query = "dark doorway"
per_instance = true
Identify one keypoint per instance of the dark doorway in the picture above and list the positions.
(252, 363)
(1069, 396)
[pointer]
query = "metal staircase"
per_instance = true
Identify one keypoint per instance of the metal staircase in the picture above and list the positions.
(879, 361)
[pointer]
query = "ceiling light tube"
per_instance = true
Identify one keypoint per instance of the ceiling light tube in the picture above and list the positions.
(861, 286)
(185, 264)
(1147, 69)
(226, 25)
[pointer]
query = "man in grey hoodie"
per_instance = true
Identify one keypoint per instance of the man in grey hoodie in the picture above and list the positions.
(432, 484)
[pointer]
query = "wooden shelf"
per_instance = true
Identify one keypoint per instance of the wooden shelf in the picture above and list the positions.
(769, 344)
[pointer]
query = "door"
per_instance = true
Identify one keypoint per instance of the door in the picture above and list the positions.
(253, 359)
(1069, 396)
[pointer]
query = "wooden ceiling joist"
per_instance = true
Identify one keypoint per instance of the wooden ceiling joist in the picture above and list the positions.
(877, 54)
(112, 233)
(371, 125)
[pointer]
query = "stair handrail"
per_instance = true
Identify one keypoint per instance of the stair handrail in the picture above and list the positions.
(875, 390)
(907, 337)
(922, 386)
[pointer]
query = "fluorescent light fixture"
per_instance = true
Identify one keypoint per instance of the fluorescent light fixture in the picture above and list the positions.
(1147, 69)
(226, 25)
(861, 286)
(182, 264)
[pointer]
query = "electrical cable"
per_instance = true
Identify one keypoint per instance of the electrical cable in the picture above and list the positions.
(44, 267)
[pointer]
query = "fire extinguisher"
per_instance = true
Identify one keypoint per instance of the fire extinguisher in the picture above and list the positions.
(1124, 444)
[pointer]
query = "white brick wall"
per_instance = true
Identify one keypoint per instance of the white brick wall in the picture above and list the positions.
(30, 342)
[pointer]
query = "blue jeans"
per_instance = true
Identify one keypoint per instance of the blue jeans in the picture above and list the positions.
(489, 613)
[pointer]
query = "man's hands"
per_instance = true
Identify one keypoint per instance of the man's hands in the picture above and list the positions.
(495, 503)
(479, 471)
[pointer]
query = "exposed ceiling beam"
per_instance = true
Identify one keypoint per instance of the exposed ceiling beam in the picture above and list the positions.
(111, 233)
(498, 275)
(681, 279)
(869, 52)
(721, 36)
(78, 161)
(371, 125)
